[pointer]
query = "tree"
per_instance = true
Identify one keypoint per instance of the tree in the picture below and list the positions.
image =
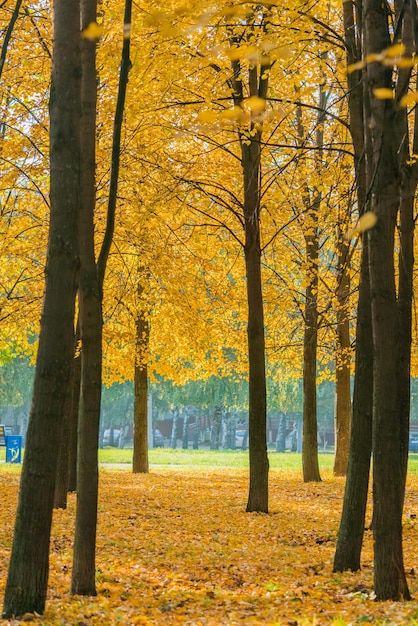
(28, 570)
(83, 580)
(343, 362)
(350, 536)
(384, 134)
(90, 298)
(140, 454)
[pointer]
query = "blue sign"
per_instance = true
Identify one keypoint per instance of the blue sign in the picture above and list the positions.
(14, 449)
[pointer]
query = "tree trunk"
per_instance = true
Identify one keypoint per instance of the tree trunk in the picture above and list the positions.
(68, 439)
(310, 422)
(342, 382)
(140, 462)
(174, 429)
(185, 439)
(75, 402)
(84, 568)
(257, 433)
(406, 230)
(350, 535)
(61, 480)
(405, 299)
(216, 429)
(389, 575)
(312, 203)
(250, 143)
(28, 571)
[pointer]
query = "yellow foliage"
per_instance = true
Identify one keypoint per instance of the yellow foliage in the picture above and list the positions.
(383, 93)
(409, 99)
(93, 31)
(366, 221)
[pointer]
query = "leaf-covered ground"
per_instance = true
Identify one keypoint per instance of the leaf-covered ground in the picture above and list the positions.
(176, 547)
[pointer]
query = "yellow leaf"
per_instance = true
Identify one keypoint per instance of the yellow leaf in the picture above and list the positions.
(235, 114)
(356, 66)
(92, 32)
(410, 98)
(374, 56)
(366, 221)
(255, 104)
(406, 62)
(383, 93)
(395, 51)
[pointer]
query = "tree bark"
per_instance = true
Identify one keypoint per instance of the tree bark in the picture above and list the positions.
(310, 342)
(75, 402)
(29, 564)
(342, 375)
(84, 569)
(61, 480)
(140, 454)
(312, 203)
(68, 440)
(406, 14)
(257, 432)
(389, 575)
(350, 536)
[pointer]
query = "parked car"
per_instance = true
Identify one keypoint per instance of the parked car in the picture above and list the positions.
(158, 439)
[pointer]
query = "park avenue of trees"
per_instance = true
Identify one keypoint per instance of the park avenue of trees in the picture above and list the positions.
(193, 190)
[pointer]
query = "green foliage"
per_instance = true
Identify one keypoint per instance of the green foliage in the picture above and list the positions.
(16, 379)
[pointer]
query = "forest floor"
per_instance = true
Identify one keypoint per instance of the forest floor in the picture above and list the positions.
(175, 546)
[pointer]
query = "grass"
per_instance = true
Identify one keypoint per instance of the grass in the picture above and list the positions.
(237, 459)
(209, 458)
(224, 458)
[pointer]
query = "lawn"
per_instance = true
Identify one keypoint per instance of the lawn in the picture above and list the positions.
(215, 458)
(175, 546)
(208, 458)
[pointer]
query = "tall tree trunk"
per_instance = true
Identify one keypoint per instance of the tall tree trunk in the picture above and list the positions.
(312, 203)
(250, 143)
(84, 569)
(342, 375)
(350, 536)
(310, 342)
(389, 575)
(140, 454)
(406, 14)
(257, 432)
(29, 564)
(91, 293)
